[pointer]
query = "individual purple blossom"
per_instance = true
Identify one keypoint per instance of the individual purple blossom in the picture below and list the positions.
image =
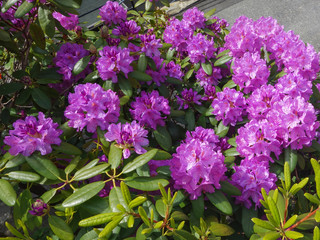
(250, 177)
(188, 97)
(127, 30)
(174, 70)
(39, 208)
(149, 109)
(112, 13)
(194, 18)
(113, 60)
(258, 138)
(205, 79)
(267, 28)
(150, 45)
(128, 136)
(210, 93)
(197, 168)
(30, 135)
(229, 106)
(199, 48)
(250, 72)
(91, 106)
(69, 23)
(204, 135)
(160, 75)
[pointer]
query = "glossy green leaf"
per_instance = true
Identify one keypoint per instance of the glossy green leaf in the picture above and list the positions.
(115, 198)
(67, 148)
(14, 231)
(312, 198)
(139, 161)
(125, 85)
(146, 183)
(72, 165)
(316, 233)
(140, 76)
(24, 176)
(224, 59)
(115, 156)
(230, 84)
(41, 98)
(8, 88)
(37, 35)
(60, 228)
(209, 13)
(91, 235)
(183, 235)
(148, 5)
(110, 226)
(15, 161)
(47, 196)
(287, 176)
(43, 166)
(231, 152)
(144, 216)
(8, 5)
(161, 207)
(88, 166)
(219, 200)
(290, 221)
(219, 229)
(263, 223)
(142, 63)
(68, 3)
(23, 9)
(222, 130)
(271, 236)
(46, 21)
(125, 192)
(297, 186)
(274, 210)
(83, 194)
(170, 54)
(163, 137)
(89, 173)
(81, 65)
(97, 220)
(92, 77)
(137, 201)
(291, 157)
(137, 4)
(247, 224)
(190, 118)
(230, 189)
(7, 193)
(188, 74)
(207, 68)
(162, 155)
(294, 235)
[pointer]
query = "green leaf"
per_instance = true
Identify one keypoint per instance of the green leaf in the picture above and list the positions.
(81, 65)
(231, 152)
(188, 74)
(274, 210)
(209, 13)
(312, 198)
(316, 233)
(290, 221)
(198, 207)
(24, 176)
(291, 157)
(190, 118)
(183, 235)
(125, 192)
(23, 9)
(230, 84)
(272, 236)
(139, 161)
(4, 36)
(115, 156)
(67, 148)
(247, 224)
(41, 98)
(89, 173)
(207, 68)
(161, 207)
(14, 231)
(43, 166)
(230, 189)
(68, 3)
(72, 165)
(162, 155)
(293, 234)
(8, 5)
(23, 96)
(222, 130)
(47, 196)
(222, 60)
(137, 201)
(37, 35)
(144, 216)
(163, 137)
(88, 166)
(287, 176)
(83, 194)
(219, 200)
(92, 77)
(115, 198)
(297, 186)
(219, 229)
(60, 228)
(146, 183)
(15, 161)
(170, 54)
(7, 193)
(11, 87)
(140, 76)
(148, 5)
(142, 63)
(125, 86)
(46, 21)
(137, 4)
(124, 100)
(97, 220)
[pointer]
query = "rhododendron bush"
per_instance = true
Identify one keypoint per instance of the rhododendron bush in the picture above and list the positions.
(156, 127)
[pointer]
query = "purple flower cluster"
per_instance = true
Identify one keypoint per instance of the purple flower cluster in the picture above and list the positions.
(207, 80)
(112, 13)
(188, 97)
(128, 136)
(174, 70)
(112, 61)
(250, 177)
(160, 75)
(39, 208)
(127, 30)
(198, 166)
(91, 106)
(194, 18)
(199, 48)
(229, 106)
(250, 72)
(30, 135)
(69, 23)
(150, 45)
(149, 109)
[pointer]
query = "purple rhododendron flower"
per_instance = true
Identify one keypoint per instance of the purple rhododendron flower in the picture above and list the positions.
(210, 93)
(258, 138)
(128, 30)
(112, 61)
(91, 106)
(150, 45)
(30, 135)
(112, 12)
(250, 177)
(199, 48)
(128, 136)
(188, 97)
(149, 109)
(194, 18)
(69, 23)
(250, 72)
(229, 106)
(174, 70)
(204, 135)
(205, 79)
(39, 208)
(197, 168)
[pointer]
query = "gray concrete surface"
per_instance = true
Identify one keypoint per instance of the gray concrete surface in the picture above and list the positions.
(301, 16)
